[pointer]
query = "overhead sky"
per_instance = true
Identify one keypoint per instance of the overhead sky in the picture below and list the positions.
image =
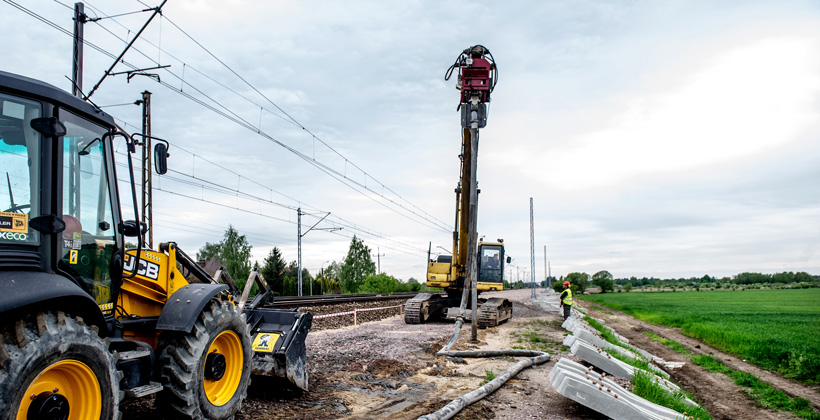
(666, 139)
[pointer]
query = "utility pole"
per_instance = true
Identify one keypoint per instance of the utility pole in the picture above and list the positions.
(147, 183)
(379, 261)
(77, 62)
(299, 273)
(549, 281)
(300, 235)
(532, 253)
(546, 276)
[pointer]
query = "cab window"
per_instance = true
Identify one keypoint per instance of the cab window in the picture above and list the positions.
(19, 170)
(88, 241)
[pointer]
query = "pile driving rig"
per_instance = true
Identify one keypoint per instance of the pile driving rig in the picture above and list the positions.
(477, 76)
(86, 324)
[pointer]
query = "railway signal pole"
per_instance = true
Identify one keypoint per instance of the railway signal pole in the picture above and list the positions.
(299, 240)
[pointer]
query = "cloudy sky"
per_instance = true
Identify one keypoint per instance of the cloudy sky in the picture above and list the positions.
(667, 139)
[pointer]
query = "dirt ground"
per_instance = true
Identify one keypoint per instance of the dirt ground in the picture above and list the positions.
(388, 370)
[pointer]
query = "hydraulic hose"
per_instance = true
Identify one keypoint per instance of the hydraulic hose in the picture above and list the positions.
(458, 404)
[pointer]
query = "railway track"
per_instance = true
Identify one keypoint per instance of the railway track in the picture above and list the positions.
(321, 300)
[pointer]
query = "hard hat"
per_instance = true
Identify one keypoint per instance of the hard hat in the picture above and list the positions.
(566, 283)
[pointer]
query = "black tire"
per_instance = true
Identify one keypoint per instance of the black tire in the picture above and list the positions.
(46, 350)
(183, 358)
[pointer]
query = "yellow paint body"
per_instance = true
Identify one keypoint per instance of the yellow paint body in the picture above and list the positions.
(146, 293)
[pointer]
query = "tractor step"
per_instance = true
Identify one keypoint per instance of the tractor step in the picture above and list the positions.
(141, 391)
(133, 354)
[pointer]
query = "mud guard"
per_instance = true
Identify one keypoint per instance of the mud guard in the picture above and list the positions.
(279, 343)
(184, 306)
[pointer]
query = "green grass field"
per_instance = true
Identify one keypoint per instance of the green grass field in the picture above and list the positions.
(778, 330)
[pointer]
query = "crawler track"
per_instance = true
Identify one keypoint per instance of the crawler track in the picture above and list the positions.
(493, 312)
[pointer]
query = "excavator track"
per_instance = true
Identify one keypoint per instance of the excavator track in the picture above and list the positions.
(493, 312)
(416, 310)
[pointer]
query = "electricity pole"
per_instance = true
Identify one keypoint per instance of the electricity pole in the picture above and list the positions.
(532, 253)
(147, 183)
(546, 276)
(299, 240)
(77, 62)
(379, 261)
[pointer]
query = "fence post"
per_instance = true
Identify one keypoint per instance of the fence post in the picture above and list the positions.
(354, 316)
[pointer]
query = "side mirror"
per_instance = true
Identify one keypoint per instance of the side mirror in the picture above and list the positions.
(509, 259)
(131, 228)
(49, 126)
(161, 158)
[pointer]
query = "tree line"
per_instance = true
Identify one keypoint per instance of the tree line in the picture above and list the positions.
(355, 273)
(606, 283)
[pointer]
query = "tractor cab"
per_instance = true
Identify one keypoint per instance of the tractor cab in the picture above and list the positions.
(59, 211)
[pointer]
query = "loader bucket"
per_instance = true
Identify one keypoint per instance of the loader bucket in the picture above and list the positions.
(279, 343)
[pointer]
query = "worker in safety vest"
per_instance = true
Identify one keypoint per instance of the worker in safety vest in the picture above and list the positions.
(566, 300)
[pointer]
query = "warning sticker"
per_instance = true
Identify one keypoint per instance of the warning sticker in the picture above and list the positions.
(13, 222)
(265, 342)
(72, 259)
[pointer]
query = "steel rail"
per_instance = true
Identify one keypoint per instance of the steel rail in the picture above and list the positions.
(295, 301)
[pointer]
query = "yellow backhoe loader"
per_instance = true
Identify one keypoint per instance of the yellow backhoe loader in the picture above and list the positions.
(86, 324)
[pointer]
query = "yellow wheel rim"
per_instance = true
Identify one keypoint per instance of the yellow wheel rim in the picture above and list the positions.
(220, 391)
(73, 380)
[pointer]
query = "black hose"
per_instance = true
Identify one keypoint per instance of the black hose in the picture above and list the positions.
(463, 401)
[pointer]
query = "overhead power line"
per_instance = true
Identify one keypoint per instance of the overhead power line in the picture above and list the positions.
(235, 118)
(232, 116)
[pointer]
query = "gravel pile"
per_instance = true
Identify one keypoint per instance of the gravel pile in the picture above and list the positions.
(347, 320)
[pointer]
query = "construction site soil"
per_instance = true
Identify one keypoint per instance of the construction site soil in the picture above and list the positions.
(382, 368)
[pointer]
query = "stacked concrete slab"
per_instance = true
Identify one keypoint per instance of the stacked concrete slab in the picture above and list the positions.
(603, 395)
(596, 390)
(584, 331)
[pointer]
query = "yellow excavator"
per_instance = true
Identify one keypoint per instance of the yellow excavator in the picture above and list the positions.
(86, 324)
(477, 75)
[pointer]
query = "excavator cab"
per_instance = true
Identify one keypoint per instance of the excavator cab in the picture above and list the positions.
(491, 266)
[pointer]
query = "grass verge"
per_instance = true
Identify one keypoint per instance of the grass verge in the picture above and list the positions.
(776, 330)
(645, 387)
(761, 392)
(644, 383)
(533, 336)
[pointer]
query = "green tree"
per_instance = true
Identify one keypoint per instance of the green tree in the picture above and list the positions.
(233, 252)
(414, 285)
(273, 271)
(751, 278)
(356, 267)
(578, 282)
(628, 287)
(379, 283)
(330, 279)
(802, 277)
(603, 279)
(289, 280)
(210, 251)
